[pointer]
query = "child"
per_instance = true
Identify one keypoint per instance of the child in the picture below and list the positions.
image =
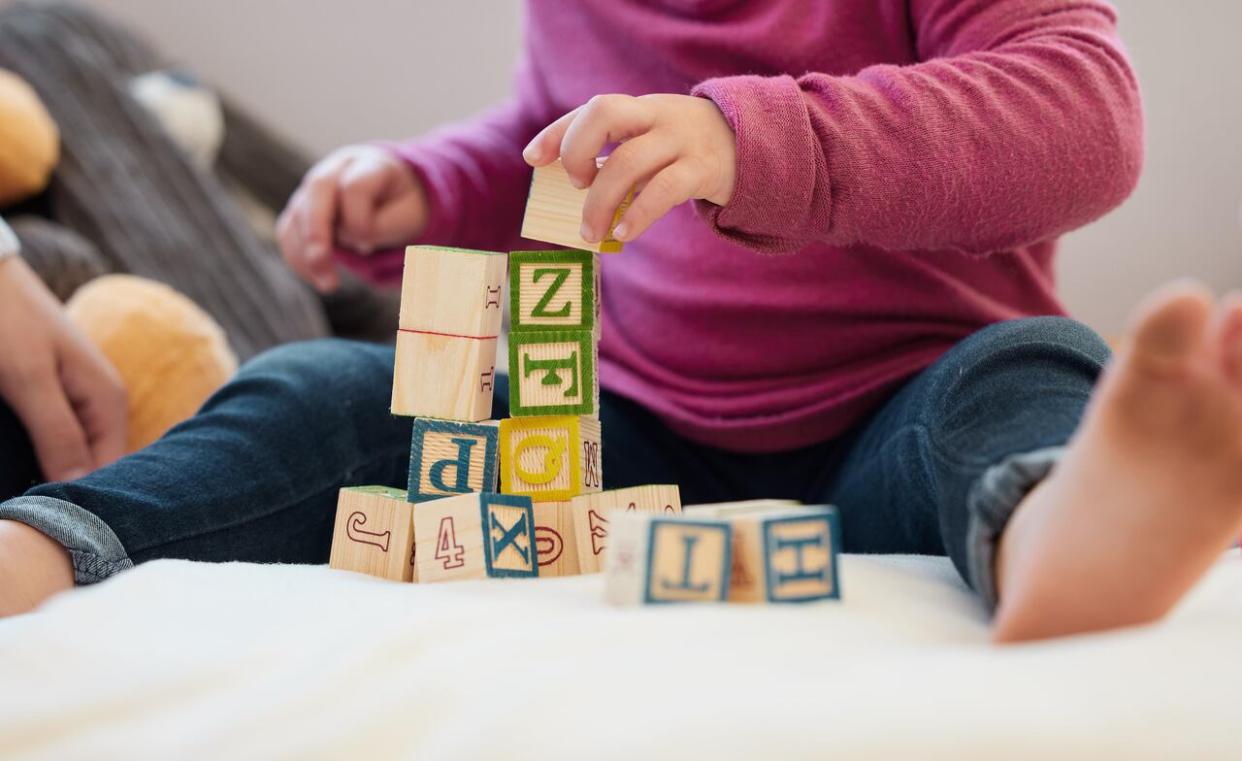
(891, 360)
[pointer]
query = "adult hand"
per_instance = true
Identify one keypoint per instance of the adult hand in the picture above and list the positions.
(61, 387)
(674, 148)
(361, 197)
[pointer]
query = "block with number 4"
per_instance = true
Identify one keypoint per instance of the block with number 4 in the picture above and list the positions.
(475, 536)
(657, 558)
(781, 552)
(591, 516)
(448, 458)
(553, 372)
(374, 533)
(553, 290)
(550, 459)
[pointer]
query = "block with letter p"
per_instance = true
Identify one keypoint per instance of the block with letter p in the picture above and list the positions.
(448, 458)
(553, 290)
(553, 373)
(658, 558)
(550, 459)
(475, 536)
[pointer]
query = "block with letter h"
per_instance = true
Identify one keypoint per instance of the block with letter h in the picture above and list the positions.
(451, 309)
(550, 459)
(449, 458)
(374, 533)
(591, 516)
(782, 552)
(659, 558)
(475, 536)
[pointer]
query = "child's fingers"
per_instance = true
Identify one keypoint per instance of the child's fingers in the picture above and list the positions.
(604, 120)
(630, 165)
(546, 146)
(673, 186)
(361, 187)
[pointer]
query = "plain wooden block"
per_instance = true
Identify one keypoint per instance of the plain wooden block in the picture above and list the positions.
(453, 291)
(550, 459)
(448, 457)
(554, 212)
(444, 377)
(553, 373)
(374, 533)
(781, 552)
(553, 290)
(592, 511)
(660, 558)
(554, 539)
(475, 536)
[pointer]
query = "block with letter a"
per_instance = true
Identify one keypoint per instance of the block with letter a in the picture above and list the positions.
(553, 373)
(374, 533)
(781, 552)
(550, 459)
(448, 457)
(591, 515)
(657, 558)
(475, 536)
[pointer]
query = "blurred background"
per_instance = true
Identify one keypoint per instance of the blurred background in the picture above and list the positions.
(328, 72)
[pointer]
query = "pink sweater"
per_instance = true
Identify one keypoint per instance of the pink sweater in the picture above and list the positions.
(912, 162)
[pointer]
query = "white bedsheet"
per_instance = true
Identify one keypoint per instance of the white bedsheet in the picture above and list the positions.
(178, 660)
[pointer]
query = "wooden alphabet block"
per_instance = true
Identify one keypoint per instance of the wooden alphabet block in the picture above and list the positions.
(444, 377)
(374, 533)
(475, 536)
(550, 459)
(453, 291)
(591, 516)
(448, 458)
(554, 539)
(554, 212)
(658, 558)
(781, 552)
(553, 290)
(553, 373)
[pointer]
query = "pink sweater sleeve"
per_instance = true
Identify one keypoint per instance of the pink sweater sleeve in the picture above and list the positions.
(1021, 122)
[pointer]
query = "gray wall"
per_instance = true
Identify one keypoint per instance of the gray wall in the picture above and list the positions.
(331, 72)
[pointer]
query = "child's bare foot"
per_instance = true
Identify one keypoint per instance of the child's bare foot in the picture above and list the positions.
(1149, 492)
(32, 568)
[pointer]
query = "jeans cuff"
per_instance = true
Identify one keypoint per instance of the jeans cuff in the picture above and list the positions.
(95, 550)
(991, 503)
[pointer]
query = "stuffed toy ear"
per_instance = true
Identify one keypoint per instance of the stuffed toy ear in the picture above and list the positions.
(29, 141)
(188, 111)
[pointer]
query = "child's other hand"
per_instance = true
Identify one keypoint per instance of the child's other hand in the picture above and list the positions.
(360, 197)
(674, 148)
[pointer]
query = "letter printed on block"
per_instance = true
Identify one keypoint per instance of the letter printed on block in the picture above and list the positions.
(553, 373)
(448, 458)
(553, 290)
(688, 561)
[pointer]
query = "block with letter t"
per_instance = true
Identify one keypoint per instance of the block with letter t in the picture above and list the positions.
(475, 536)
(553, 290)
(553, 373)
(550, 459)
(781, 552)
(374, 533)
(448, 457)
(658, 558)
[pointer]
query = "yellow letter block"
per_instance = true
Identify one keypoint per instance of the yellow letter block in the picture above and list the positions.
(550, 459)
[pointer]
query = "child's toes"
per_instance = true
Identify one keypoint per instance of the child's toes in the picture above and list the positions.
(1171, 326)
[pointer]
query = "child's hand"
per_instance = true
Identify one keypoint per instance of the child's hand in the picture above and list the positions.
(360, 197)
(673, 147)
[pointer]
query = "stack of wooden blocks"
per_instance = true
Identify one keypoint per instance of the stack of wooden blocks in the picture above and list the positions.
(550, 516)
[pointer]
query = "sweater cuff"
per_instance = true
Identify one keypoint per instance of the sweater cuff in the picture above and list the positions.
(778, 162)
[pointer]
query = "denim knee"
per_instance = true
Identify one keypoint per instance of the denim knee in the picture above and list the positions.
(1062, 334)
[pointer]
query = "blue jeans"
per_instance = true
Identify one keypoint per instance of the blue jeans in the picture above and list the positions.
(937, 469)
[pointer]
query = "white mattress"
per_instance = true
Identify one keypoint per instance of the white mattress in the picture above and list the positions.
(237, 661)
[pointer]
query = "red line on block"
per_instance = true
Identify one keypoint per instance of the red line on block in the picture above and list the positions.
(446, 335)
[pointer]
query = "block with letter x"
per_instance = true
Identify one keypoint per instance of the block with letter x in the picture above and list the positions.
(448, 457)
(475, 536)
(553, 373)
(553, 290)
(374, 533)
(657, 558)
(781, 552)
(550, 459)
